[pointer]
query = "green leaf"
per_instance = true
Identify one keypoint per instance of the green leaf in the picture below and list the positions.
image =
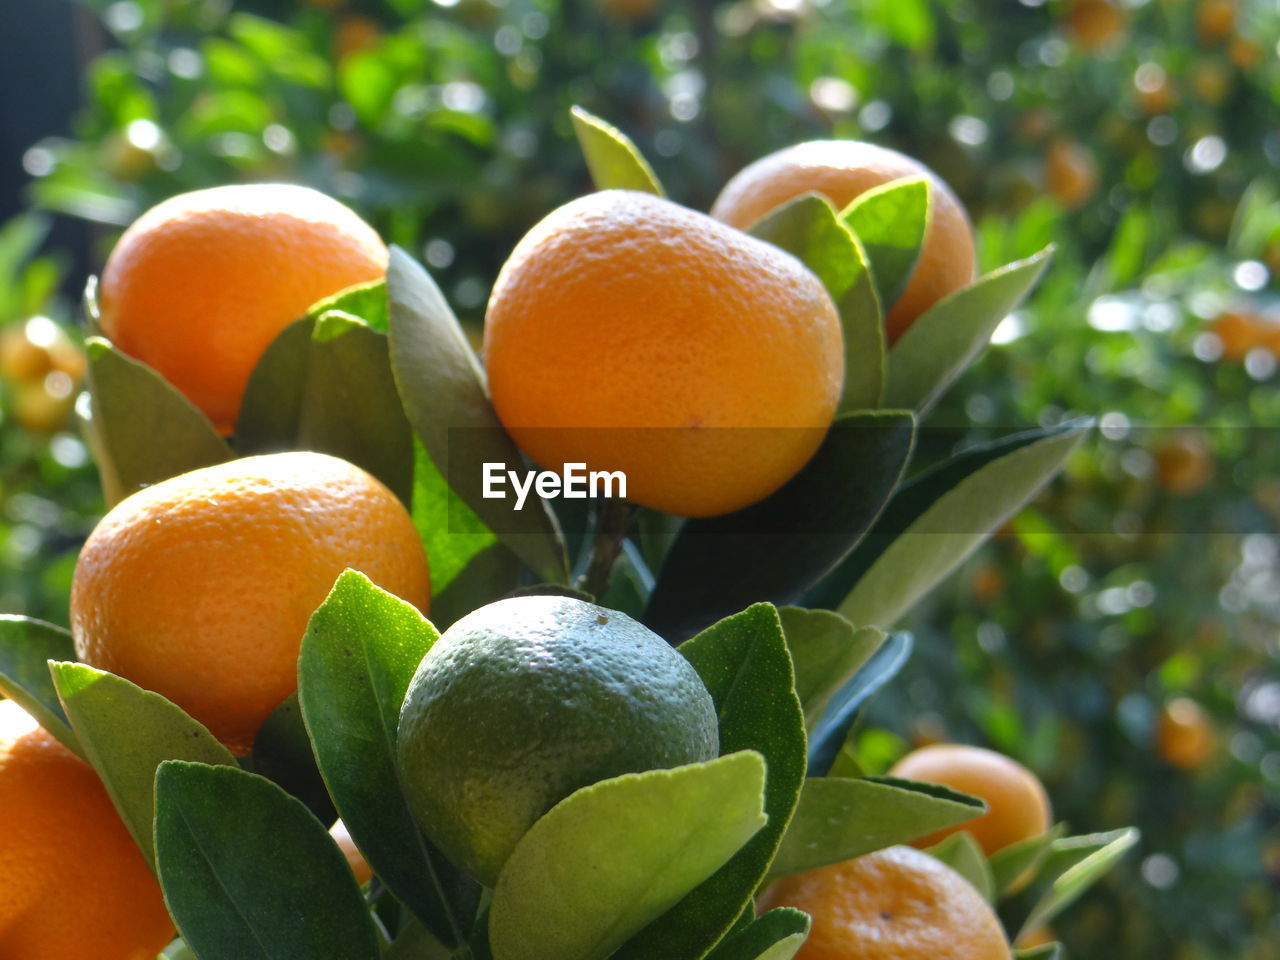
(614, 856)
(961, 853)
(271, 408)
(889, 221)
(838, 819)
(939, 518)
(26, 647)
(325, 384)
(613, 160)
(368, 301)
(744, 663)
(447, 402)
(144, 430)
(1009, 864)
(945, 339)
(810, 229)
(127, 732)
(777, 549)
(249, 874)
(282, 753)
(826, 651)
(832, 728)
(415, 942)
(1071, 867)
(775, 935)
(469, 565)
(862, 322)
(1047, 951)
(360, 650)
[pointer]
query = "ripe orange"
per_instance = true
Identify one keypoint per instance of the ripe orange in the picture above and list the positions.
(1215, 20)
(895, 904)
(1096, 25)
(1184, 463)
(1071, 173)
(200, 587)
(200, 285)
(629, 333)
(1184, 734)
(843, 170)
(1018, 807)
(73, 886)
(355, 859)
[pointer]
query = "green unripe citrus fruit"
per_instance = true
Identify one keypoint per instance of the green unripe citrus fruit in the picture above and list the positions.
(526, 700)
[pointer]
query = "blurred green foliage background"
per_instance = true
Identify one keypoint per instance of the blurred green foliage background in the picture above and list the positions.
(1142, 138)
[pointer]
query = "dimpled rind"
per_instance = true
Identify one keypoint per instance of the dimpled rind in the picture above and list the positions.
(629, 333)
(200, 284)
(528, 699)
(200, 587)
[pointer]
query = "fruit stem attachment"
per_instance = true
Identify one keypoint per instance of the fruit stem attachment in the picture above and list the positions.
(613, 519)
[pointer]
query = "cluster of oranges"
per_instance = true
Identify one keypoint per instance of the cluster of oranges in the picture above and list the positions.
(42, 371)
(619, 314)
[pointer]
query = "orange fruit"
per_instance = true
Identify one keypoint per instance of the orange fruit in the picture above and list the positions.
(200, 587)
(1071, 173)
(629, 333)
(629, 11)
(1215, 20)
(1241, 332)
(355, 34)
(1096, 25)
(842, 170)
(1184, 463)
(1184, 734)
(894, 904)
(73, 885)
(201, 284)
(1017, 805)
(1153, 89)
(1245, 54)
(355, 859)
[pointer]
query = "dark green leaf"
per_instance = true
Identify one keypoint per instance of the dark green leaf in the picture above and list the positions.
(961, 853)
(743, 661)
(144, 430)
(941, 343)
(271, 409)
(889, 221)
(127, 732)
(447, 402)
(26, 647)
(469, 565)
(839, 819)
(778, 548)
(614, 856)
(937, 519)
(613, 160)
(359, 653)
(326, 385)
(249, 874)
(826, 651)
(775, 935)
(832, 727)
(282, 753)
